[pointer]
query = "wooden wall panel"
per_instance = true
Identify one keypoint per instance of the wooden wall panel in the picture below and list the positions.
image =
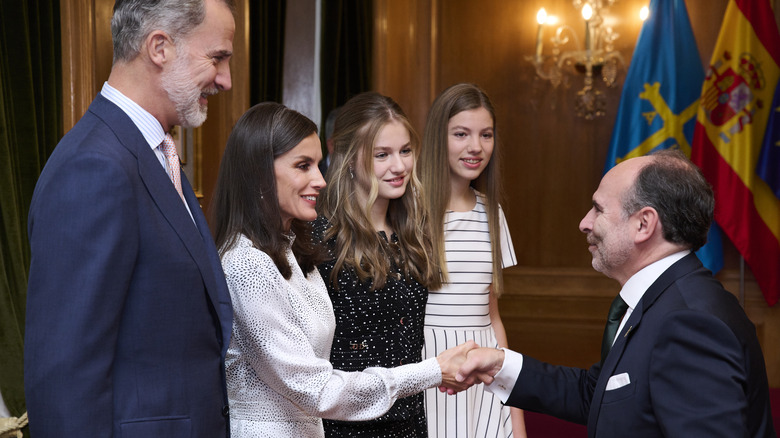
(403, 58)
(557, 315)
(79, 84)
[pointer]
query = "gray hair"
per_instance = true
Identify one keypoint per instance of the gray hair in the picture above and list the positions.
(677, 190)
(134, 20)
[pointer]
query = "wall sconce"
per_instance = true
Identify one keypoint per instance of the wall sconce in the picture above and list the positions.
(596, 58)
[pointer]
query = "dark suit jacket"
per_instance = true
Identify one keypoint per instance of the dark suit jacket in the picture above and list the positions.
(693, 360)
(128, 312)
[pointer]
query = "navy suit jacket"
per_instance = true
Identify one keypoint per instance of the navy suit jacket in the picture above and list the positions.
(692, 358)
(128, 313)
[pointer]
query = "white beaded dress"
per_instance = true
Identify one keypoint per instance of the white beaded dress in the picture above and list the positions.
(279, 380)
(459, 312)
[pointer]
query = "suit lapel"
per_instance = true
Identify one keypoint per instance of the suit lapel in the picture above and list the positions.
(216, 285)
(610, 363)
(683, 266)
(196, 239)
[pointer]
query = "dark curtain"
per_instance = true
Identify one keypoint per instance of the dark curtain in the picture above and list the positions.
(30, 126)
(266, 45)
(347, 36)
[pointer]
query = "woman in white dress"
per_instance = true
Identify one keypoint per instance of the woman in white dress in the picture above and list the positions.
(280, 382)
(459, 171)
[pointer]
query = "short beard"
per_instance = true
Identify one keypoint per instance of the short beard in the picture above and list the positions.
(608, 260)
(184, 92)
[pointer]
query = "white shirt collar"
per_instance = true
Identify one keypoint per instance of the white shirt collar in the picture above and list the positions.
(637, 285)
(149, 126)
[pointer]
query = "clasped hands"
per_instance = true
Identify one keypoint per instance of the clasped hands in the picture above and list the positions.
(468, 364)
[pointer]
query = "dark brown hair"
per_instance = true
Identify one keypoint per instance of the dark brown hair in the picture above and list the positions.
(245, 200)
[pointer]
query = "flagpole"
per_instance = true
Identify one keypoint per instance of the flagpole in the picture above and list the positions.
(742, 281)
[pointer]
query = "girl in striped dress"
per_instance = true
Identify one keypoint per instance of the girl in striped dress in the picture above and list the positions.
(459, 171)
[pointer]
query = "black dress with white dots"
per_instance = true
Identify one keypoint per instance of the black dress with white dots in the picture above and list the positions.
(376, 328)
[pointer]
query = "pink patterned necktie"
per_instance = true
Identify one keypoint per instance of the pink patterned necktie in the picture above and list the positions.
(168, 148)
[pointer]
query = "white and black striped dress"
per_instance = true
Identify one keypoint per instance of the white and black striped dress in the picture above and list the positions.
(458, 312)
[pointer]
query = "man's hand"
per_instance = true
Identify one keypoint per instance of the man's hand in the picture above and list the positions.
(481, 365)
(450, 362)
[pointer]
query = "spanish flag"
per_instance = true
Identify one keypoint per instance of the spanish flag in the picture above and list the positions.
(736, 103)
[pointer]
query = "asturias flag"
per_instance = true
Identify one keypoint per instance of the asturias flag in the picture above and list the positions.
(736, 102)
(661, 96)
(768, 167)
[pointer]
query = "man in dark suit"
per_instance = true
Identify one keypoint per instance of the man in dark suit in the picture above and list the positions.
(686, 361)
(128, 314)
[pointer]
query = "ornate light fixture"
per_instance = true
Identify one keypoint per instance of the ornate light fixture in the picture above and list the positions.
(596, 58)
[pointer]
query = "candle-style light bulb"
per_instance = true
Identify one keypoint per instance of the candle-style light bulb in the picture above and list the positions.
(644, 13)
(541, 18)
(587, 11)
(587, 14)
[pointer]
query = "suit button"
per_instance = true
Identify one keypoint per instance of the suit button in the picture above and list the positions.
(225, 410)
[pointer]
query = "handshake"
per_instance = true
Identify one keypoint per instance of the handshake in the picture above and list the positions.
(468, 364)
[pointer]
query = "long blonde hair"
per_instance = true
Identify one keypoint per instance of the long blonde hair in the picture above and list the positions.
(435, 171)
(358, 245)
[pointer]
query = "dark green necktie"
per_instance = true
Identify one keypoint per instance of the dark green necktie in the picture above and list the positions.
(616, 312)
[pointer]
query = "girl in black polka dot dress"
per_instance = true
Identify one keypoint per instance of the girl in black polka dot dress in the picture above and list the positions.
(380, 265)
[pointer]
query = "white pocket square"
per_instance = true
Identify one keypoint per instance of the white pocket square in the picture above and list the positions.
(618, 381)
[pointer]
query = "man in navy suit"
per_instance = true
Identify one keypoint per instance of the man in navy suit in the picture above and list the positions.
(128, 314)
(685, 361)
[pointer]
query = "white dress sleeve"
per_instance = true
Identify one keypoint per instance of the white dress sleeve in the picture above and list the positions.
(283, 330)
(508, 257)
